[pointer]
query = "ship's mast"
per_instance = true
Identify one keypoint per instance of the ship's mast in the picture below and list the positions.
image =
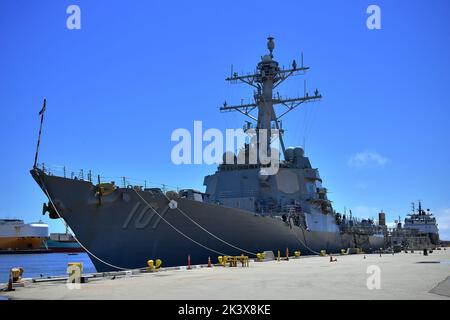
(267, 77)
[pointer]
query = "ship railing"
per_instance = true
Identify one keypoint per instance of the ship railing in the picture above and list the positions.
(96, 178)
(237, 194)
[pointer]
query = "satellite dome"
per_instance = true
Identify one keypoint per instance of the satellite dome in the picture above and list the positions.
(266, 58)
(299, 153)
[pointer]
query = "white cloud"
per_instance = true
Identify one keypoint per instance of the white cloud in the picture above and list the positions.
(367, 159)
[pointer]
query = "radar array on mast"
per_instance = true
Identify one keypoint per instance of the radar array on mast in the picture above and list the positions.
(267, 77)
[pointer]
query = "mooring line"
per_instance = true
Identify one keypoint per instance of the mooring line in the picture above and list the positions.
(211, 234)
(177, 230)
(81, 245)
(304, 244)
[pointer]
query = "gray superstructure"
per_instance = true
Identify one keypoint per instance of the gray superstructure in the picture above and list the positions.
(245, 208)
(419, 231)
(424, 222)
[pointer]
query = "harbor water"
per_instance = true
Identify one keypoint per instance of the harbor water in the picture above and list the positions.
(42, 264)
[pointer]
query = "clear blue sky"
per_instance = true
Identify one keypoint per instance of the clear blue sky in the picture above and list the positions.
(137, 70)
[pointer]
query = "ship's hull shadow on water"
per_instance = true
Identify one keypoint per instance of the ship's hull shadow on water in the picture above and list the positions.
(122, 230)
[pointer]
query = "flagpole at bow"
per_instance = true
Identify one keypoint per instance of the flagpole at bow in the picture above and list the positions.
(41, 113)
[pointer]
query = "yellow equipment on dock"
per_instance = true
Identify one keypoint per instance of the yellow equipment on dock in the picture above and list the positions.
(154, 265)
(260, 256)
(297, 254)
(323, 253)
(233, 260)
(76, 264)
(16, 274)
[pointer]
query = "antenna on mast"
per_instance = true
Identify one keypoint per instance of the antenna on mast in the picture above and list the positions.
(267, 76)
(270, 45)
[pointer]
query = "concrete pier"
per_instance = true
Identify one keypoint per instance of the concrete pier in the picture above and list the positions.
(401, 276)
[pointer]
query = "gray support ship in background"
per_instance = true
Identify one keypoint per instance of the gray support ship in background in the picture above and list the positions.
(243, 210)
(419, 231)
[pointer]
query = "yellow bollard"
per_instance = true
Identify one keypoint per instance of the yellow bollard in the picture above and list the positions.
(278, 257)
(323, 253)
(77, 264)
(16, 274)
(244, 261)
(150, 264)
(224, 261)
(260, 256)
(158, 263)
(297, 254)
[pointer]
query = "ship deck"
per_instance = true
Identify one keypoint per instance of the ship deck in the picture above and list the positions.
(402, 276)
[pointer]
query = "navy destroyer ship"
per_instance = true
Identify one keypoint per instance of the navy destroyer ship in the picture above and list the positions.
(245, 208)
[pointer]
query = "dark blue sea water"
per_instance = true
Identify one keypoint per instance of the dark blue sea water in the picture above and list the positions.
(45, 264)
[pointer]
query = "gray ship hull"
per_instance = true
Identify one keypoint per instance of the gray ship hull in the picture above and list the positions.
(122, 230)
